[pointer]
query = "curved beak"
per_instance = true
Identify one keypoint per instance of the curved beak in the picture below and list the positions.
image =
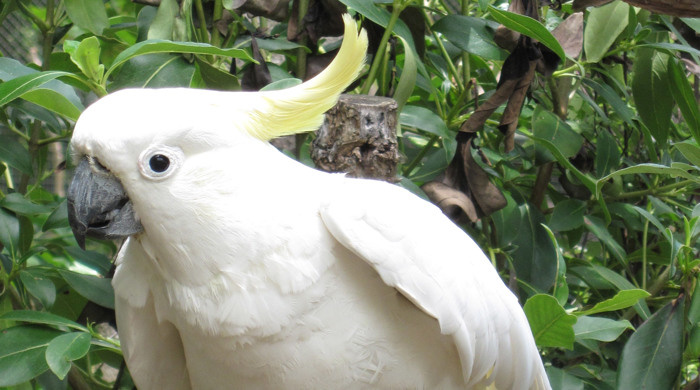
(98, 205)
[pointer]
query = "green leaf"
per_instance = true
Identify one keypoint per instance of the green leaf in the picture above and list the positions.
(88, 14)
(217, 79)
(646, 168)
(530, 27)
(550, 324)
(594, 275)
(64, 349)
(567, 215)
(163, 23)
(53, 101)
(473, 35)
(651, 358)
(98, 290)
(652, 93)
(547, 126)
(15, 154)
(608, 93)
(20, 205)
(684, 96)
(603, 26)
(163, 46)
(562, 380)
(598, 228)
(281, 84)
(561, 288)
(15, 88)
(43, 318)
(9, 231)
(424, 119)
(690, 151)
(87, 57)
(154, 71)
(534, 251)
(621, 300)
(58, 218)
(54, 95)
(95, 260)
(41, 287)
(409, 73)
(607, 154)
(26, 234)
(22, 353)
(601, 329)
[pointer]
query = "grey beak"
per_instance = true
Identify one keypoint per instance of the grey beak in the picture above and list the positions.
(98, 205)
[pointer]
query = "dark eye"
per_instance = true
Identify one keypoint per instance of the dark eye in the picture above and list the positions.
(159, 163)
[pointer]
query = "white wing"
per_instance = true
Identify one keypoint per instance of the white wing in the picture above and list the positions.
(421, 253)
(152, 348)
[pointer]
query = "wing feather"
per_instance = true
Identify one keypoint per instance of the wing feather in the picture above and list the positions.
(152, 346)
(417, 250)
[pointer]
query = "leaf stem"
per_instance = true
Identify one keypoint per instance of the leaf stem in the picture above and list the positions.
(420, 155)
(376, 62)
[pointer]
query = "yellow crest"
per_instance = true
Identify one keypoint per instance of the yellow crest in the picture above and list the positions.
(300, 109)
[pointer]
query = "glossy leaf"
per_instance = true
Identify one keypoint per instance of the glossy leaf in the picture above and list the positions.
(547, 126)
(690, 151)
(87, 56)
(154, 71)
(58, 218)
(597, 227)
(15, 88)
(618, 106)
(652, 93)
(43, 318)
(603, 26)
(22, 350)
(65, 348)
(15, 154)
(20, 205)
(473, 35)
(567, 215)
(163, 46)
(646, 168)
(534, 256)
(41, 287)
(88, 14)
(684, 96)
(599, 328)
(9, 231)
(607, 156)
(424, 119)
(530, 27)
(98, 290)
(651, 358)
(550, 324)
(621, 300)
(407, 82)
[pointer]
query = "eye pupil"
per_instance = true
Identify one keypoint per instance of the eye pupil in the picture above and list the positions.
(159, 163)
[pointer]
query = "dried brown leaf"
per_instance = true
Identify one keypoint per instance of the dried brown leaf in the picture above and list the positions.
(569, 33)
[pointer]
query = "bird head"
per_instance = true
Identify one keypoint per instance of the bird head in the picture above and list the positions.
(130, 144)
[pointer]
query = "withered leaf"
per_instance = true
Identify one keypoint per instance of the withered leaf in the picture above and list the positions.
(453, 203)
(257, 75)
(569, 33)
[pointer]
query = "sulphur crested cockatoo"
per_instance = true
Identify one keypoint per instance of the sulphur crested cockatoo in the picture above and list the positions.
(246, 269)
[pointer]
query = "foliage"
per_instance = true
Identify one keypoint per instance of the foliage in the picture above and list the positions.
(597, 232)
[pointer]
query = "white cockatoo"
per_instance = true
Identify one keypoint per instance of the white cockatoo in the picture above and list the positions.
(244, 269)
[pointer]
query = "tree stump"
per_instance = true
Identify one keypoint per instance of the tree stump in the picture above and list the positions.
(358, 136)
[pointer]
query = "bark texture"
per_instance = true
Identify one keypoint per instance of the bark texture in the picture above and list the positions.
(358, 137)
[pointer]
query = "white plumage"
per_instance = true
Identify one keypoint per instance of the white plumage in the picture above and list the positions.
(255, 271)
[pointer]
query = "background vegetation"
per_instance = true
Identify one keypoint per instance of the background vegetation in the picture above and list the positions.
(571, 156)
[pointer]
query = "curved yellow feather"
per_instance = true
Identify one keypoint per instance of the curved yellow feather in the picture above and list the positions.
(300, 109)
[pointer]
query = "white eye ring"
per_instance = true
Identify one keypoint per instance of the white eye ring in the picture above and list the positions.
(159, 162)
